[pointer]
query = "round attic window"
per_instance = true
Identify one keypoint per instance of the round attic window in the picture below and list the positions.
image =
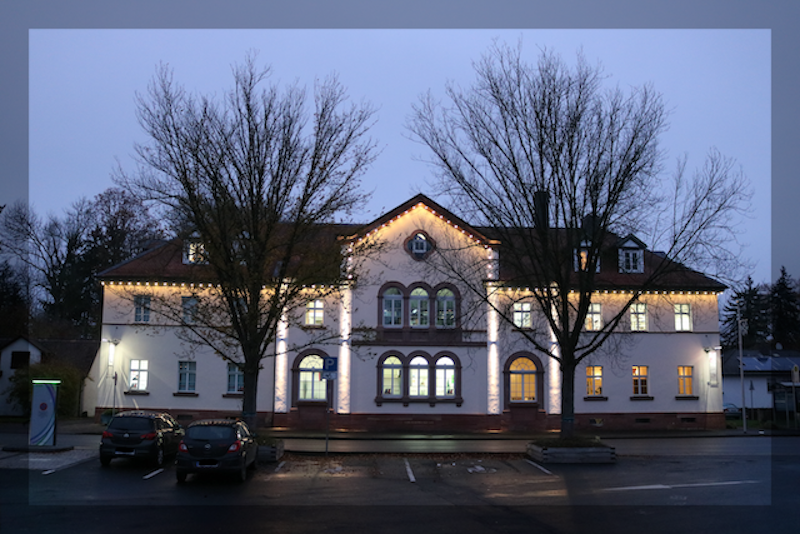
(419, 245)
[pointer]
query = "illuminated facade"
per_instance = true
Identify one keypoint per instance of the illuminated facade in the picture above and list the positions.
(416, 349)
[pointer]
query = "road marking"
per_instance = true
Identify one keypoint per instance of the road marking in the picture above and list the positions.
(49, 472)
(279, 466)
(409, 471)
(537, 466)
(154, 473)
(698, 485)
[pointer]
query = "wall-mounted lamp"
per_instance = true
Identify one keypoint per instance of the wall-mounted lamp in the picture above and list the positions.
(111, 349)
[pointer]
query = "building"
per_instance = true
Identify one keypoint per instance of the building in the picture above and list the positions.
(415, 349)
(769, 393)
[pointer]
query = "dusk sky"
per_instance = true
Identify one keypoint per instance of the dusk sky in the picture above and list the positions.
(728, 76)
(716, 84)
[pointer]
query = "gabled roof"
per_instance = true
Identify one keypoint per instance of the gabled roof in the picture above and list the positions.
(421, 200)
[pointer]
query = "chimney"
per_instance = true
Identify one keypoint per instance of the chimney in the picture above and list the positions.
(541, 209)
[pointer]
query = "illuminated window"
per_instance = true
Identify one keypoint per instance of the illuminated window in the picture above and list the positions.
(311, 387)
(141, 309)
(594, 380)
(639, 379)
(392, 377)
(419, 246)
(685, 375)
(639, 317)
(523, 380)
(138, 377)
(418, 377)
(418, 308)
(187, 371)
(522, 315)
(445, 309)
(683, 317)
(189, 309)
(594, 317)
(194, 252)
(445, 378)
(314, 313)
(235, 379)
(582, 261)
(392, 307)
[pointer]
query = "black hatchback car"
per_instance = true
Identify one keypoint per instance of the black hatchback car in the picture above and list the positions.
(137, 434)
(216, 445)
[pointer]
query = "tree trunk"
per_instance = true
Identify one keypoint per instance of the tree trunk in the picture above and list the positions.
(250, 393)
(567, 396)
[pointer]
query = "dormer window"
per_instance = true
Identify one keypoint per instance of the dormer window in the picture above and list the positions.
(631, 255)
(194, 252)
(419, 245)
(582, 258)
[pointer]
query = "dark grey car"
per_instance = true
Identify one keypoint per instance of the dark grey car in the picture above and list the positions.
(216, 445)
(137, 434)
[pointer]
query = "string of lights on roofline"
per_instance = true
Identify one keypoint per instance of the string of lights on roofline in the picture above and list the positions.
(192, 285)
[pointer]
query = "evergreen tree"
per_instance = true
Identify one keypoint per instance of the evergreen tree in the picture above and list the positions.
(785, 311)
(753, 304)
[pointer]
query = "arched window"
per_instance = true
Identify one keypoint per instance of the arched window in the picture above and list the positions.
(392, 307)
(445, 309)
(419, 308)
(522, 380)
(418, 377)
(445, 378)
(311, 387)
(392, 377)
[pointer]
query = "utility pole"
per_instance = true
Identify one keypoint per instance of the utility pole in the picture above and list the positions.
(741, 363)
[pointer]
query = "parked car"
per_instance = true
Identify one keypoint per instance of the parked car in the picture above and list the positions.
(731, 411)
(138, 434)
(216, 446)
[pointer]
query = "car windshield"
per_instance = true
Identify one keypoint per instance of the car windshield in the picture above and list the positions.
(132, 424)
(208, 432)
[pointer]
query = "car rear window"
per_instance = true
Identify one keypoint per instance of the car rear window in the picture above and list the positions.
(210, 432)
(135, 424)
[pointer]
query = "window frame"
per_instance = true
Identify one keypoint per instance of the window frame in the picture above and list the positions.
(395, 310)
(638, 317)
(446, 301)
(686, 381)
(631, 260)
(419, 307)
(236, 373)
(641, 376)
(187, 376)
(526, 377)
(520, 315)
(594, 317)
(392, 392)
(441, 373)
(189, 304)
(314, 316)
(315, 377)
(402, 372)
(138, 373)
(594, 381)
(141, 308)
(419, 377)
(683, 317)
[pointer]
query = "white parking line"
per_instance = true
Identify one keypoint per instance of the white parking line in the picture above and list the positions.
(537, 466)
(279, 466)
(698, 485)
(154, 473)
(408, 470)
(49, 472)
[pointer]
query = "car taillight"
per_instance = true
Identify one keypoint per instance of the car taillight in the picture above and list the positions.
(182, 447)
(235, 446)
(151, 435)
(107, 434)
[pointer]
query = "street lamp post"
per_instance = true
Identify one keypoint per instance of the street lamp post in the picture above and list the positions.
(741, 363)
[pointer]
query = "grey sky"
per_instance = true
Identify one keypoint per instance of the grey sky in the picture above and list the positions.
(717, 84)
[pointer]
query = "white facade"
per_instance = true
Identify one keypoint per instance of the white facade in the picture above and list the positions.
(15, 353)
(410, 356)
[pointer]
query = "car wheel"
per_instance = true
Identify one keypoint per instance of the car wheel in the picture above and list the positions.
(160, 457)
(105, 461)
(181, 476)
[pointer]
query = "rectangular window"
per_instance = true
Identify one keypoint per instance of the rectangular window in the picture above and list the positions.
(139, 371)
(189, 309)
(594, 380)
(418, 311)
(594, 317)
(685, 375)
(315, 313)
(640, 380)
(582, 261)
(631, 261)
(235, 379)
(141, 309)
(639, 317)
(683, 318)
(522, 314)
(194, 252)
(187, 371)
(20, 359)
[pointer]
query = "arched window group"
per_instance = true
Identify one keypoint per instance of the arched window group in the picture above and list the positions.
(419, 378)
(419, 306)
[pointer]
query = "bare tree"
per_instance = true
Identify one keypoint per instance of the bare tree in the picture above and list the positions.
(557, 166)
(258, 179)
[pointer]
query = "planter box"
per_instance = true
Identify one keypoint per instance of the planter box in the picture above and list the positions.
(572, 455)
(270, 453)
